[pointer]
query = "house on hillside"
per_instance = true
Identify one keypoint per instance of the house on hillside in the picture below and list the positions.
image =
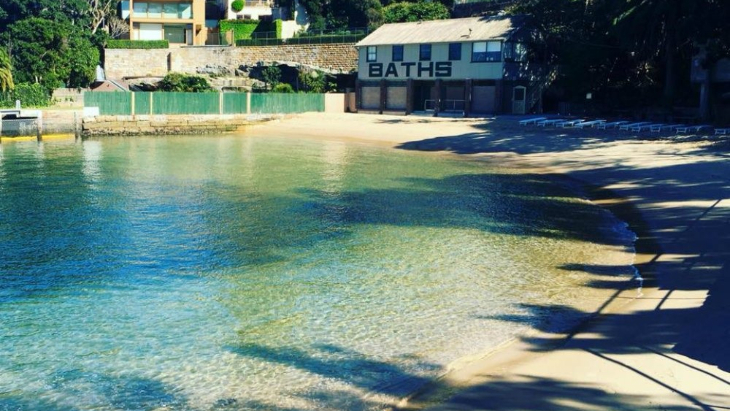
(478, 65)
(181, 22)
(253, 10)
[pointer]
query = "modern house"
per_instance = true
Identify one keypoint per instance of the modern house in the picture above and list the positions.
(181, 22)
(478, 65)
(252, 10)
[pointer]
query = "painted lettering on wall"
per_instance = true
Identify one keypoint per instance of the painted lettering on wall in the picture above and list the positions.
(410, 69)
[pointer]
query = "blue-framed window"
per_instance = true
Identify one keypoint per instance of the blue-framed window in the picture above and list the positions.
(483, 51)
(454, 51)
(397, 52)
(424, 52)
(372, 54)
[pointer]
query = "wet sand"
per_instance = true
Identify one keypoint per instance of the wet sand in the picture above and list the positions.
(665, 348)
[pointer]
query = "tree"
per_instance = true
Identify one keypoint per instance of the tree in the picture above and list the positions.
(271, 75)
(51, 53)
(421, 11)
(6, 72)
(100, 12)
(664, 31)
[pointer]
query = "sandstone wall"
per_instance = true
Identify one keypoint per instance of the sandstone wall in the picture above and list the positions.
(168, 124)
(332, 58)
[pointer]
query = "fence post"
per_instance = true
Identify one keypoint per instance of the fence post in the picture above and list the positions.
(132, 104)
(248, 103)
(151, 100)
(220, 103)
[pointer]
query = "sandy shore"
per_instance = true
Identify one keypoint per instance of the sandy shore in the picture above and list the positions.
(667, 349)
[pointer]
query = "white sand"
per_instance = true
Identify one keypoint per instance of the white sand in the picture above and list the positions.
(668, 349)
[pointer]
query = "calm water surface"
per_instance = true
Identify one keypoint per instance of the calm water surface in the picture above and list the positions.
(230, 273)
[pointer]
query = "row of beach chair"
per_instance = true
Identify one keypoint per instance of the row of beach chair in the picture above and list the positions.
(622, 125)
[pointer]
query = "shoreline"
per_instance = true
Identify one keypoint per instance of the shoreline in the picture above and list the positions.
(508, 361)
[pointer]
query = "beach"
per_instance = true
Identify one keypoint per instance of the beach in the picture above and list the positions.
(665, 347)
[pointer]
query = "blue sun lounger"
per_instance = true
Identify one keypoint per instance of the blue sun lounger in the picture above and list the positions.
(531, 121)
(627, 127)
(613, 124)
(647, 126)
(568, 123)
(657, 128)
(592, 123)
(545, 123)
(692, 129)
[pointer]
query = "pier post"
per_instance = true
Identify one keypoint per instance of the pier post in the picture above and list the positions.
(39, 128)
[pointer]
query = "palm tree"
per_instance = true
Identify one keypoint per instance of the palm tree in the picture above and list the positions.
(6, 75)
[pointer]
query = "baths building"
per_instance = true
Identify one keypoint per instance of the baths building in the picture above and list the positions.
(477, 65)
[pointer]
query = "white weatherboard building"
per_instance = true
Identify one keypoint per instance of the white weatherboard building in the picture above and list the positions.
(477, 65)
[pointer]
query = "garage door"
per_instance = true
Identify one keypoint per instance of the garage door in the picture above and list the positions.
(370, 98)
(396, 98)
(483, 99)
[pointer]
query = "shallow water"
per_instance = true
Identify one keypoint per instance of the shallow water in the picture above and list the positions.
(199, 273)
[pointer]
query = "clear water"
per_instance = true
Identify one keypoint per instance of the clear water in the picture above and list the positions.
(217, 273)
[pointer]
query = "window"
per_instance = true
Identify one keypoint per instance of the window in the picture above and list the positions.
(398, 53)
(372, 53)
(454, 51)
(163, 10)
(515, 52)
(424, 52)
(486, 51)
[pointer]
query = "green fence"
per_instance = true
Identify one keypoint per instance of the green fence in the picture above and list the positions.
(118, 103)
(286, 103)
(110, 103)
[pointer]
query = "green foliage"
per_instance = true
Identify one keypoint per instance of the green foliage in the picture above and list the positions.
(178, 82)
(283, 88)
(408, 12)
(315, 82)
(51, 53)
(278, 25)
(247, 29)
(343, 14)
(6, 72)
(271, 75)
(237, 5)
(30, 95)
(137, 44)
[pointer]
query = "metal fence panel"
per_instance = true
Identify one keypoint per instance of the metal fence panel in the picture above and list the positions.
(142, 103)
(272, 103)
(185, 103)
(110, 103)
(235, 103)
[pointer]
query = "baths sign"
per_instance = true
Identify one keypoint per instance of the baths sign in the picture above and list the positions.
(422, 69)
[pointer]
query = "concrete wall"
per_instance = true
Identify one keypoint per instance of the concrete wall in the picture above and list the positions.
(334, 103)
(332, 58)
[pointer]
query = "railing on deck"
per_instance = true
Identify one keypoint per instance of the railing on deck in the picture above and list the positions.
(314, 37)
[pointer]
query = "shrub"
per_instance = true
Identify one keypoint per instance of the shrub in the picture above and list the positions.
(30, 95)
(237, 5)
(283, 88)
(137, 44)
(179, 82)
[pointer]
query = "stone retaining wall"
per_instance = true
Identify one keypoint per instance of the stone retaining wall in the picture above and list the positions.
(168, 124)
(332, 58)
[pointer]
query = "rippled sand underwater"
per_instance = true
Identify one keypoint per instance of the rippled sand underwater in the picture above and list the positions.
(232, 272)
